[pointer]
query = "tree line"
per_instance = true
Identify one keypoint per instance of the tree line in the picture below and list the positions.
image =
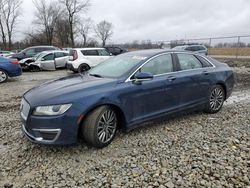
(56, 22)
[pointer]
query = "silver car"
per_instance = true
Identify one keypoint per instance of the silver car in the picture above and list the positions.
(50, 60)
(198, 48)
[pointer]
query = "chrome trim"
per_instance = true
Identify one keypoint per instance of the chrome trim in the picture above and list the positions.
(40, 139)
(23, 116)
(213, 66)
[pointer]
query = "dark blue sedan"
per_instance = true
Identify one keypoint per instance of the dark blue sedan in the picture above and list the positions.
(123, 92)
(9, 68)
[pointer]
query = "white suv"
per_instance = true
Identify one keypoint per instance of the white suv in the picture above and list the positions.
(82, 59)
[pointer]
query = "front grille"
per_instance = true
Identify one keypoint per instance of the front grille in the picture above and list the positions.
(25, 109)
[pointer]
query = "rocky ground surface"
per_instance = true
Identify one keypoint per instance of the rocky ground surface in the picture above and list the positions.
(194, 150)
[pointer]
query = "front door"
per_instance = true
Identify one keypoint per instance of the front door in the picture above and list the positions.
(154, 97)
(48, 62)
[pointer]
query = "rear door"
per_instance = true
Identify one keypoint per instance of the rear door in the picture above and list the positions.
(92, 56)
(192, 80)
(61, 59)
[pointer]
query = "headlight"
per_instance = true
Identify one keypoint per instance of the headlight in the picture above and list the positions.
(51, 110)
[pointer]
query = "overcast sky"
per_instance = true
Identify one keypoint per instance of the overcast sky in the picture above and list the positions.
(165, 20)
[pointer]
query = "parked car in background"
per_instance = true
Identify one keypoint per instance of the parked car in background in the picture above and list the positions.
(124, 91)
(83, 59)
(49, 60)
(201, 49)
(31, 52)
(115, 50)
(9, 68)
(5, 53)
(67, 49)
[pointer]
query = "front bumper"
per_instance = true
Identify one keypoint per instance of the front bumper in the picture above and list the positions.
(45, 135)
(51, 130)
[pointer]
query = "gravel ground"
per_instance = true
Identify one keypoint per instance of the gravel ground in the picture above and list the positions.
(194, 150)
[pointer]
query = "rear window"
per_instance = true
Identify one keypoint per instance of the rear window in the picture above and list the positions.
(202, 48)
(90, 52)
(204, 62)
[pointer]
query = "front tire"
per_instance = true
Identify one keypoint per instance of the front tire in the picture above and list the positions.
(3, 76)
(34, 68)
(216, 99)
(99, 128)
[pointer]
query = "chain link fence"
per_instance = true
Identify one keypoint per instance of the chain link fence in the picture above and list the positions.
(224, 47)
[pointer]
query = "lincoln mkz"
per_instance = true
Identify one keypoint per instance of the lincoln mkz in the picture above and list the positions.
(121, 93)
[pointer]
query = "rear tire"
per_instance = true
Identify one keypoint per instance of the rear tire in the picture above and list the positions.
(215, 100)
(83, 68)
(3, 76)
(99, 128)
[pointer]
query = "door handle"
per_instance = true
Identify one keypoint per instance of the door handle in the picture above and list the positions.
(205, 72)
(171, 78)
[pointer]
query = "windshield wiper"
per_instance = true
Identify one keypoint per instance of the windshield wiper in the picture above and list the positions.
(96, 75)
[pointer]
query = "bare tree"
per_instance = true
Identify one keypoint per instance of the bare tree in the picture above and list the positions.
(10, 12)
(63, 32)
(2, 24)
(84, 28)
(104, 31)
(46, 15)
(73, 8)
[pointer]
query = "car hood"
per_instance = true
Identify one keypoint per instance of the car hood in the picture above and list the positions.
(67, 89)
(31, 59)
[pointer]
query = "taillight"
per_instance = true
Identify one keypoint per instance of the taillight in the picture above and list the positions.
(75, 56)
(14, 62)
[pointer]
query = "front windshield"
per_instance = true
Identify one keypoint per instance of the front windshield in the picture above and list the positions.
(37, 56)
(40, 55)
(117, 66)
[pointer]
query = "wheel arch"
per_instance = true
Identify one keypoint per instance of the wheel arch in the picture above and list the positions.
(223, 85)
(7, 72)
(84, 63)
(119, 112)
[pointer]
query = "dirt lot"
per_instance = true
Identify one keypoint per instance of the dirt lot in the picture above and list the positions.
(195, 150)
(230, 51)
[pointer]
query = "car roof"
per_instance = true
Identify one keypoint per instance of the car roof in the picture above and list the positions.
(53, 51)
(186, 45)
(42, 47)
(88, 48)
(151, 52)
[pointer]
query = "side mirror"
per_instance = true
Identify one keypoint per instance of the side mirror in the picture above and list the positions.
(143, 76)
(110, 54)
(42, 59)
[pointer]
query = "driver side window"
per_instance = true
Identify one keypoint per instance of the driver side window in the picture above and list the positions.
(48, 57)
(159, 65)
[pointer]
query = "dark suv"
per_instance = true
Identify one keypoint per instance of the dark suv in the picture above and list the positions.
(114, 50)
(31, 51)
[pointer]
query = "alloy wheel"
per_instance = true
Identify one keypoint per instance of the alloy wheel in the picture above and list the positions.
(216, 99)
(3, 76)
(106, 127)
